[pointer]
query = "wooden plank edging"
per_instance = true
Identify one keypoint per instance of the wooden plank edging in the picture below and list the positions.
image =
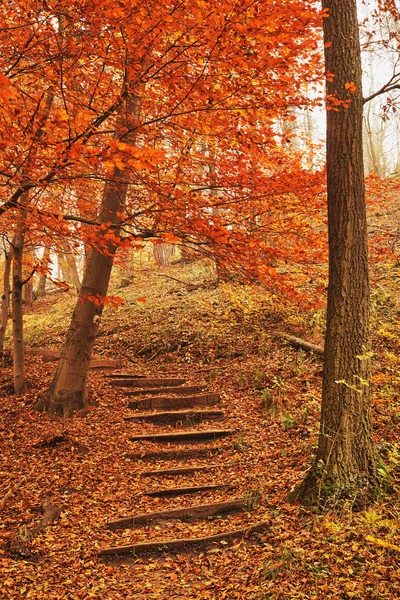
(177, 436)
(146, 383)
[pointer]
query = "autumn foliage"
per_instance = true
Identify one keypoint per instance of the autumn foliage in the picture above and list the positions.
(214, 167)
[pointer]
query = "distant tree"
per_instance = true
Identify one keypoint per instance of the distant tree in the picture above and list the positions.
(5, 298)
(44, 263)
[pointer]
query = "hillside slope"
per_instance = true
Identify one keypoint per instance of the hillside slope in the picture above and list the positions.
(179, 322)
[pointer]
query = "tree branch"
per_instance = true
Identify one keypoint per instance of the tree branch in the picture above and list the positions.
(392, 84)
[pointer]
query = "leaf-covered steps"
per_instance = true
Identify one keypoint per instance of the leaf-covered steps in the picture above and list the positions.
(178, 416)
(187, 513)
(175, 402)
(160, 546)
(179, 436)
(172, 401)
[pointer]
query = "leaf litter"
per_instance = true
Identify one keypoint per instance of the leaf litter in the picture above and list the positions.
(270, 394)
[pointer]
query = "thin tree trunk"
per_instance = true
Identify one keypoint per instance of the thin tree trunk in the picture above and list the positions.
(17, 285)
(72, 268)
(17, 312)
(63, 269)
(5, 299)
(345, 466)
(41, 288)
(67, 392)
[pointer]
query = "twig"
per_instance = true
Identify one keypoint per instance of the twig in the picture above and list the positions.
(6, 496)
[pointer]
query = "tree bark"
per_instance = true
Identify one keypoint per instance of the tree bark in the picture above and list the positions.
(67, 392)
(5, 299)
(345, 466)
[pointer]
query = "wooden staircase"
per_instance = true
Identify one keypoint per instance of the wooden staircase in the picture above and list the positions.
(170, 401)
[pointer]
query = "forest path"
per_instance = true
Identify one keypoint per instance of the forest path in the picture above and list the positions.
(175, 409)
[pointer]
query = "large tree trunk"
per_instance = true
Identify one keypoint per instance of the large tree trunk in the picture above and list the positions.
(5, 299)
(67, 392)
(344, 467)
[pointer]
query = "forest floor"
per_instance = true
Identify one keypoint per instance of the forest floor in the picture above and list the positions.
(219, 336)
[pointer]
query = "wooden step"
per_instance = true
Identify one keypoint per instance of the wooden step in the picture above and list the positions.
(179, 471)
(178, 416)
(146, 383)
(178, 391)
(179, 454)
(125, 376)
(176, 402)
(188, 489)
(178, 436)
(183, 544)
(188, 513)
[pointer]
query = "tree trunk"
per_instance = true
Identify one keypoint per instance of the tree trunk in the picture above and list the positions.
(17, 285)
(5, 299)
(27, 274)
(72, 268)
(162, 254)
(67, 392)
(41, 288)
(344, 467)
(63, 269)
(17, 313)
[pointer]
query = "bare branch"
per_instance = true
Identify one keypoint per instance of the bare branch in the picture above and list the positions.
(392, 84)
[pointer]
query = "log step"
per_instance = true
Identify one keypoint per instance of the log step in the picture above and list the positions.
(188, 489)
(176, 402)
(178, 416)
(146, 383)
(182, 544)
(178, 391)
(179, 454)
(189, 513)
(178, 471)
(178, 436)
